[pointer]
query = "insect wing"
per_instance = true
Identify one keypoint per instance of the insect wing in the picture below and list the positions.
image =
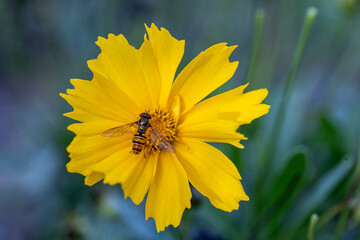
(118, 131)
(161, 141)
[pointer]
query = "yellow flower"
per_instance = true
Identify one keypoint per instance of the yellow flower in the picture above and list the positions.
(127, 82)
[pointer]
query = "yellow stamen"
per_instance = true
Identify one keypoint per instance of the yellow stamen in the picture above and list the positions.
(165, 124)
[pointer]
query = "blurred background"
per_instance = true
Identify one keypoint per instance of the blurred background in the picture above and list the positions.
(298, 161)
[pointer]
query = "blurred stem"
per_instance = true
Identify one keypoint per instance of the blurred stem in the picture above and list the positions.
(341, 224)
(309, 18)
(357, 169)
(342, 206)
(313, 220)
(258, 32)
(330, 214)
(259, 27)
(355, 180)
(280, 116)
(352, 190)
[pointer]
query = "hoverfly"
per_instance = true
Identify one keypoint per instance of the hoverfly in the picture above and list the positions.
(143, 124)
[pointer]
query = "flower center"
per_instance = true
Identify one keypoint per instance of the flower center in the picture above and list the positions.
(165, 124)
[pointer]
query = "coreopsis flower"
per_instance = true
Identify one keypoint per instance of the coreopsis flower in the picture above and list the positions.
(148, 132)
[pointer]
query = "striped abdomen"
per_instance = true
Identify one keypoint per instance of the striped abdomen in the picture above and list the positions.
(138, 141)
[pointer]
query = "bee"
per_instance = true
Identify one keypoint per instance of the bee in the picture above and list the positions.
(139, 140)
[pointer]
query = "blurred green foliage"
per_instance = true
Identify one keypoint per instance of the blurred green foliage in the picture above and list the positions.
(314, 160)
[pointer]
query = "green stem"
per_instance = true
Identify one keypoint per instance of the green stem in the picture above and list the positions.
(341, 224)
(355, 179)
(313, 220)
(342, 206)
(330, 214)
(259, 27)
(309, 18)
(280, 116)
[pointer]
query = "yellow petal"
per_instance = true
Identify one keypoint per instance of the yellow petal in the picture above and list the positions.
(208, 71)
(216, 119)
(167, 52)
(119, 63)
(93, 128)
(127, 106)
(93, 178)
(86, 151)
(175, 107)
(169, 192)
(90, 103)
(217, 131)
(252, 112)
(118, 166)
(138, 182)
(248, 105)
(211, 173)
(148, 62)
(209, 109)
(133, 172)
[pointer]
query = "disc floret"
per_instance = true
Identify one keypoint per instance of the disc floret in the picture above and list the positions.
(165, 124)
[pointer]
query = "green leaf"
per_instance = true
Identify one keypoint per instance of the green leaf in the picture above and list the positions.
(286, 185)
(289, 179)
(319, 193)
